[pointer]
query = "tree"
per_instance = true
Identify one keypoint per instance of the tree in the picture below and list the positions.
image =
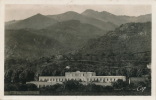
(22, 87)
(8, 75)
(22, 78)
(31, 87)
(120, 84)
(10, 87)
(72, 85)
(90, 87)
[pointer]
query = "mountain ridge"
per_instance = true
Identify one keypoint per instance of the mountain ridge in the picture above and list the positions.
(37, 21)
(122, 43)
(115, 19)
(103, 20)
(83, 19)
(70, 35)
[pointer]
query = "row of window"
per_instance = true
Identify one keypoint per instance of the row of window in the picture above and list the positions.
(89, 79)
(80, 74)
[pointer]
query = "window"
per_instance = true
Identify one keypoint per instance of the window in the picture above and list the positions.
(76, 74)
(103, 80)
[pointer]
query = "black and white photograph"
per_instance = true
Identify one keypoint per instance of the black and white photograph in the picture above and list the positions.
(77, 50)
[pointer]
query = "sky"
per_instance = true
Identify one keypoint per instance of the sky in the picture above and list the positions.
(22, 11)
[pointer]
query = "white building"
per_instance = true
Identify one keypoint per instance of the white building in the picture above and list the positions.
(83, 77)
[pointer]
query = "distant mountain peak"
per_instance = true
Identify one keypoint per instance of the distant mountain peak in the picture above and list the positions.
(105, 12)
(90, 11)
(39, 14)
(71, 12)
(37, 21)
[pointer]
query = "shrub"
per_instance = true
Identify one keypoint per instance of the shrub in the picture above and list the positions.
(10, 87)
(108, 88)
(20, 87)
(120, 84)
(31, 87)
(72, 85)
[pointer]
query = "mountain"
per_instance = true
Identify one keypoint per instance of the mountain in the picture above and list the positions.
(60, 38)
(11, 22)
(141, 18)
(103, 16)
(103, 20)
(70, 31)
(117, 20)
(26, 44)
(37, 21)
(83, 19)
(72, 34)
(127, 42)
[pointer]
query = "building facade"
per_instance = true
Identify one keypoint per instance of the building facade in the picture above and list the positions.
(83, 77)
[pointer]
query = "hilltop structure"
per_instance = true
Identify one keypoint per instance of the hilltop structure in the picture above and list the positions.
(83, 77)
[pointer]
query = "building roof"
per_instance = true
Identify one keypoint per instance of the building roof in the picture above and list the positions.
(52, 76)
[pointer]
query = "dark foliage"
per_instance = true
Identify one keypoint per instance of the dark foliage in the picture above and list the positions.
(75, 86)
(20, 87)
